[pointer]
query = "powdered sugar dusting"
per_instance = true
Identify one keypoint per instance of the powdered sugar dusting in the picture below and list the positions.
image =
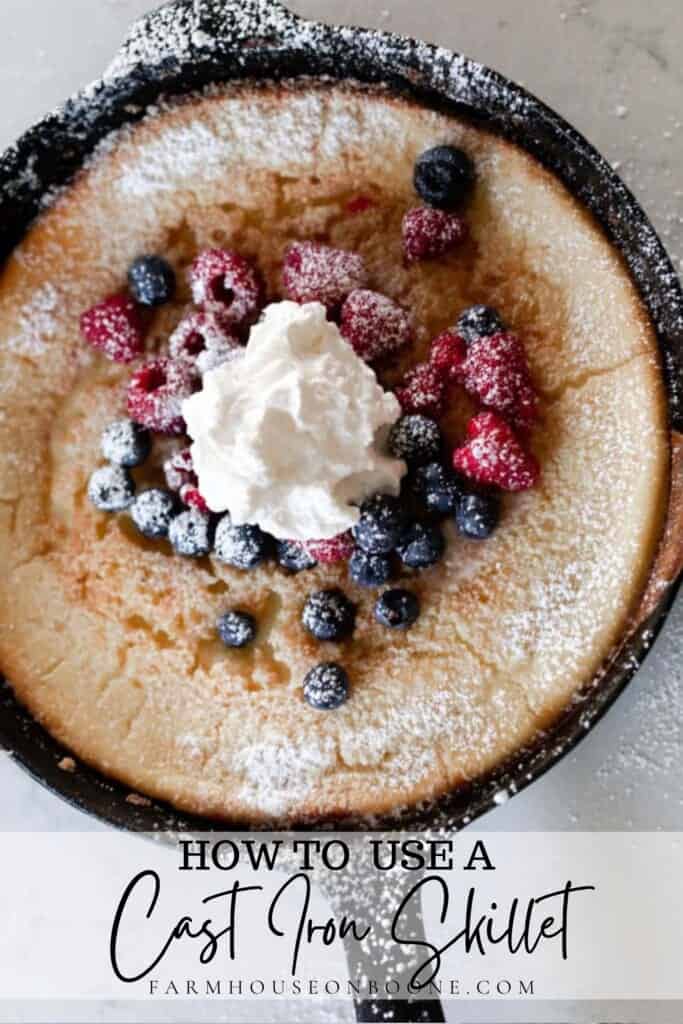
(278, 775)
(37, 323)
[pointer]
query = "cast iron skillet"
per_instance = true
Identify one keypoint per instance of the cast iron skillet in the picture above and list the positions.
(185, 45)
(188, 44)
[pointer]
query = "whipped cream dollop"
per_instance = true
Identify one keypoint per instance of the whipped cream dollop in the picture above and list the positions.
(292, 436)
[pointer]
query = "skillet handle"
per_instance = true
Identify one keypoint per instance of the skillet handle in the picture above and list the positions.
(361, 893)
(183, 31)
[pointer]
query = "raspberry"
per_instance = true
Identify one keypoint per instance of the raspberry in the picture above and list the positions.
(335, 549)
(115, 328)
(447, 355)
(179, 470)
(181, 477)
(422, 391)
(237, 629)
(204, 340)
(156, 393)
(494, 455)
(496, 372)
(316, 273)
(226, 284)
(373, 325)
(429, 233)
(191, 496)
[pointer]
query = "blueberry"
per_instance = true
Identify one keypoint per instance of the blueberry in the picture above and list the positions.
(329, 615)
(369, 570)
(236, 629)
(437, 488)
(152, 512)
(477, 515)
(444, 177)
(126, 443)
(293, 555)
(397, 609)
(415, 439)
(151, 281)
(380, 524)
(190, 533)
(244, 547)
(326, 686)
(479, 322)
(111, 489)
(421, 545)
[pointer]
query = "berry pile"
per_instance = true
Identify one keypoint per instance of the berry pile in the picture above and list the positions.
(492, 368)
(428, 234)
(156, 393)
(394, 537)
(229, 295)
(327, 552)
